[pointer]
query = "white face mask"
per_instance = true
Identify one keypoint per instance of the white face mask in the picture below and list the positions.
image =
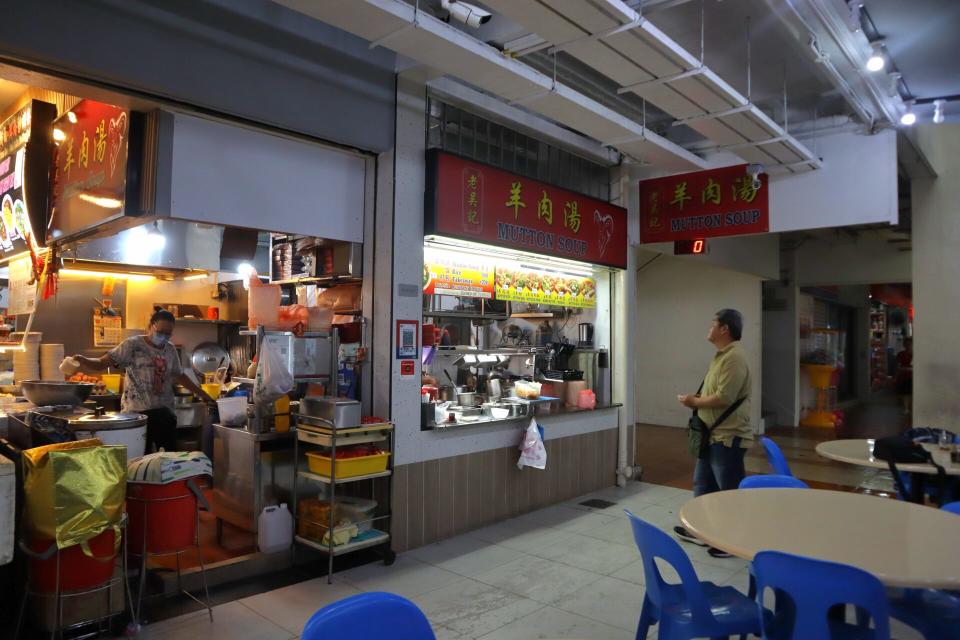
(158, 339)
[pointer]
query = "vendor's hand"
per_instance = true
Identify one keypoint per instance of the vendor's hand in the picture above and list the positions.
(688, 400)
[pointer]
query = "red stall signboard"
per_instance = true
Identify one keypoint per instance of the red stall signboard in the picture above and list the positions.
(474, 201)
(704, 204)
(91, 167)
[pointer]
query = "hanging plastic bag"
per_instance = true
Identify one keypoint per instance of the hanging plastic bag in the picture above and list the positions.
(532, 452)
(274, 378)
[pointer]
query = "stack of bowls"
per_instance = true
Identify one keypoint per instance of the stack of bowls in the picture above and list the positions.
(51, 355)
(26, 363)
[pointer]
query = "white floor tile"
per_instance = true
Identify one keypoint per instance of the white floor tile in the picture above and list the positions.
(550, 622)
(531, 538)
(407, 577)
(542, 580)
(231, 621)
(472, 609)
(618, 531)
(291, 607)
(465, 555)
(443, 633)
(608, 600)
(589, 553)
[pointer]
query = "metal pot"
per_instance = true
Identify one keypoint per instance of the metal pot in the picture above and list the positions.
(466, 398)
(43, 393)
(493, 389)
(447, 393)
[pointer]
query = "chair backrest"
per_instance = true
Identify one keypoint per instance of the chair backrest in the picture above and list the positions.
(775, 457)
(817, 585)
(654, 543)
(952, 507)
(369, 616)
(773, 481)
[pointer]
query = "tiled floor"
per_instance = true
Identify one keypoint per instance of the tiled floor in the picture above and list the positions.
(565, 571)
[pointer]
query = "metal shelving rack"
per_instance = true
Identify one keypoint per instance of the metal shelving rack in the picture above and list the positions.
(314, 432)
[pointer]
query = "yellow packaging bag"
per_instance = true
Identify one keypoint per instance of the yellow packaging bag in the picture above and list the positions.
(74, 490)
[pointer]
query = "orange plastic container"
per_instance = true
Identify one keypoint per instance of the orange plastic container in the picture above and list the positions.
(348, 467)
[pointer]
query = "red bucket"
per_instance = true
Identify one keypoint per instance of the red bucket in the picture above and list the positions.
(170, 512)
(77, 569)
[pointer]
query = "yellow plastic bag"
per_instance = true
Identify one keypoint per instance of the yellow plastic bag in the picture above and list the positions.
(74, 490)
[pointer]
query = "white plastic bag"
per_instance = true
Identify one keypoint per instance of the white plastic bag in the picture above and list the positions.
(532, 452)
(274, 379)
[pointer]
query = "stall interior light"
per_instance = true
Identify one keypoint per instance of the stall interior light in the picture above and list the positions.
(196, 276)
(72, 117)
(938, 111)
(909, 117)
(101, 201)
(59, 135)
(133, 277)
(470, 359)
(490, 252)
(487, 357)
(22, 254)
(156, 238)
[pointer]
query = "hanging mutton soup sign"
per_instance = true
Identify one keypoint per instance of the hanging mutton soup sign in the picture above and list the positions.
(730, 201)
(472, 201)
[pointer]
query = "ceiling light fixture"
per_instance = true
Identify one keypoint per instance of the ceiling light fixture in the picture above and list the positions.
(876, 61)
(938, 110)
(908, 118)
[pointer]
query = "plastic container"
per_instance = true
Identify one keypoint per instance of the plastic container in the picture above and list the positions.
(348, 467)
(169, 512)
(586, 400)
(281, 413)
(112, 381)
(77, 569)
(263, 305)
(233, 411)
(357, 510)
(274, 529)
(319, 318)
(212, 389)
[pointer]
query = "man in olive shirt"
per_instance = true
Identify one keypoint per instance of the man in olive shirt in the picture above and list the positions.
(727, 380)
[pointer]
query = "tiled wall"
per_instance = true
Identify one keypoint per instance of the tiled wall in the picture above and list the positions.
(437, 499)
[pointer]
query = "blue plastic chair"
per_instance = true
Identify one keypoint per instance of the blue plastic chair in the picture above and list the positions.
(369, 616)
(935, 614)
(775, 457)
(691, 609)
(808, 592)
(952, 507)
(772, 481)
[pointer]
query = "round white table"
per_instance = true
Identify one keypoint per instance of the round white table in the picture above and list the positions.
(860, 452)
(903, 544)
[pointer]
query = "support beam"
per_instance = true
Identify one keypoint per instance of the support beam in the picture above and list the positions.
(754, 143)
(606, 33)
(715, 114)
(689, 73)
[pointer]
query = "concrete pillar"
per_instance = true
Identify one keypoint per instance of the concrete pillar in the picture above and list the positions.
(936, 280)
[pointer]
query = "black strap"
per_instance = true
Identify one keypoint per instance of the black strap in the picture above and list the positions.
(723, 416)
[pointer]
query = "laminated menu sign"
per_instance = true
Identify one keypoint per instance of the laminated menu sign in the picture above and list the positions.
(455, 274)
(539, 286)
(22, 298)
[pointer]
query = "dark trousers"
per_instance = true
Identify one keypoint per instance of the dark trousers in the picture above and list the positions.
(722, 469)
(161, 430)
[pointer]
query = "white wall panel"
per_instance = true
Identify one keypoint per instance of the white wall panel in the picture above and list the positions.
(224, 174)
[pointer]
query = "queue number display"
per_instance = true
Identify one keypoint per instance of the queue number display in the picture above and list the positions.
(689, 247)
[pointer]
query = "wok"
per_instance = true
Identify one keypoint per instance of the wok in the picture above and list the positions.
(43, 393)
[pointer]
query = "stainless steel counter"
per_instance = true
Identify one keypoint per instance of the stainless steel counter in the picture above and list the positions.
(561, 410)
(250, 471)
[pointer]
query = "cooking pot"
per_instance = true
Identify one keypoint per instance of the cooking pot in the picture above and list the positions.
(493, 388)
(466, 398)
(447, 393)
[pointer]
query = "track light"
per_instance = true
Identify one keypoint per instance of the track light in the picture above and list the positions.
(908, 118)
(876, 61)
(155, 238)
(938, 110)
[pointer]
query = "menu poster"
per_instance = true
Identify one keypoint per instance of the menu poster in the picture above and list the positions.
(22, 294)
(107, 330)
(457, 274)
(541, 286)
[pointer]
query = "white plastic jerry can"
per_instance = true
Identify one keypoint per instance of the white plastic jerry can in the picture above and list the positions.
(274, 529)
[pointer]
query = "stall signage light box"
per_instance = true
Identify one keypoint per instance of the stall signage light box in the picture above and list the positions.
(545, 286)
(24, 169)
(704, 204)
(90, 179)
(476, 202)
(457, 274)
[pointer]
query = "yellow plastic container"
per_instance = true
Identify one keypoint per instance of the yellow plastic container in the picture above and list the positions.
(112, 382)
(348, 467)
(211, 389)
(281, 412)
